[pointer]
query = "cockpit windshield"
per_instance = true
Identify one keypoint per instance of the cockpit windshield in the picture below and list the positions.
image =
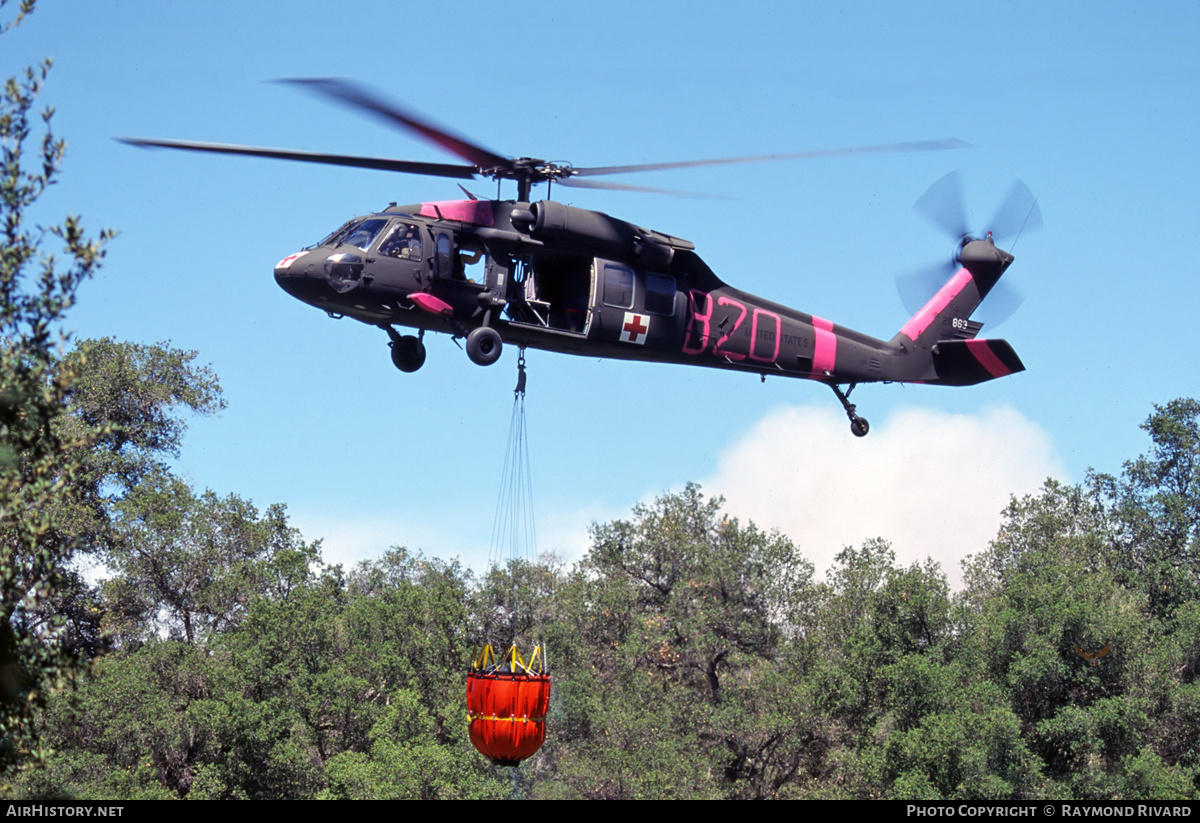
(358, 233)
(331, 239)
(363, 233)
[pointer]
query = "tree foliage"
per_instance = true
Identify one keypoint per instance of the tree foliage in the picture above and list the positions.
(136, 396)
(188, 565)
(1155, 509)
(693, 656)
(712, 593)
(39, 458)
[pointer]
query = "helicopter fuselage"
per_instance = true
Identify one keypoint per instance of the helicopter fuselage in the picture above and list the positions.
(553, 277)
(550, 276)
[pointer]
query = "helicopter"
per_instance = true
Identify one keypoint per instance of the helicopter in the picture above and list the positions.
(550, 276)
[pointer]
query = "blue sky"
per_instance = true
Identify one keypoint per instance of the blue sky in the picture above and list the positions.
(1092, 105)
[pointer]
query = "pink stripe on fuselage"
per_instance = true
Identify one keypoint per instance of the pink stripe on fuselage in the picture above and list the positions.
(824, 345)
(987, 358)
(920, 321)
(478, 212)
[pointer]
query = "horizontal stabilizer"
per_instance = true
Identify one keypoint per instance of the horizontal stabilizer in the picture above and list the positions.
(967, 362)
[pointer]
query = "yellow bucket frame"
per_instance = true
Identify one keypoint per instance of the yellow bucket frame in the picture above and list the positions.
(486, 659)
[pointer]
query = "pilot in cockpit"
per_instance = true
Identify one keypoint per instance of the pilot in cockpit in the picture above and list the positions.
(404, 243)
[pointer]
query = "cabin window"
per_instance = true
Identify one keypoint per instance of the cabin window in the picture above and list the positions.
(618, 287)
(468, 264)
(445, 247)
(660, 293)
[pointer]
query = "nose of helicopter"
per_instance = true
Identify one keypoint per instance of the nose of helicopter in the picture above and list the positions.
(299, 276)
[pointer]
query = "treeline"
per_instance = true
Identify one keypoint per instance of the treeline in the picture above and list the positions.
(693, 655)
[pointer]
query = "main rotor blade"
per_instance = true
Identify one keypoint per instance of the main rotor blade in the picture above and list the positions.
(596, 184)
(356, 96)
(890, 148)
(378, 163)
(942, 204)
(1019, 212)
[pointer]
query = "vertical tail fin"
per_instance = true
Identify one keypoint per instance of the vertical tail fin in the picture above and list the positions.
(942, 332)
(948, 313)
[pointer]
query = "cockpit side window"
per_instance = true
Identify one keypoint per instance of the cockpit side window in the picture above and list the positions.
(403, 242)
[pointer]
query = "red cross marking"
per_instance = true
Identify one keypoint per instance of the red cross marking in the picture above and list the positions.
(635, 328)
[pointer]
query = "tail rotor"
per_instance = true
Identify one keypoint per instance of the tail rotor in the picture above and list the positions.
(944, 206)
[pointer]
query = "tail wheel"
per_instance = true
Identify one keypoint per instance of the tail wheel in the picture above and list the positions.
(858, 425)
(408, 353)
(484, 346)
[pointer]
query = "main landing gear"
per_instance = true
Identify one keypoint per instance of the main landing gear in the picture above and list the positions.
(408, 351)
(858, 425)
(484, 346)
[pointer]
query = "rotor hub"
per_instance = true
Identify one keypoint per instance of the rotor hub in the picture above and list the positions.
(528, 171)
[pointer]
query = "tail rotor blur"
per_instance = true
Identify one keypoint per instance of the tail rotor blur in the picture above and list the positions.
(944, 206)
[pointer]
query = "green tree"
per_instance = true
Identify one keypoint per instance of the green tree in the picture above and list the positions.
(407, 627)
(135, 397)
(1043, 591)
(409, 758)
(1155, 506)
(878, 659)
(709, 591)
(124, 417)
(38, 459)
(671, 639)
(517, 603)
(191, 564)
(144, 726)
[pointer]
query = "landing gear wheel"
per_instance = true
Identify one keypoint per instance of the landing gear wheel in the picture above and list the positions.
(408, 353)
(858, 425)
(484, 346)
